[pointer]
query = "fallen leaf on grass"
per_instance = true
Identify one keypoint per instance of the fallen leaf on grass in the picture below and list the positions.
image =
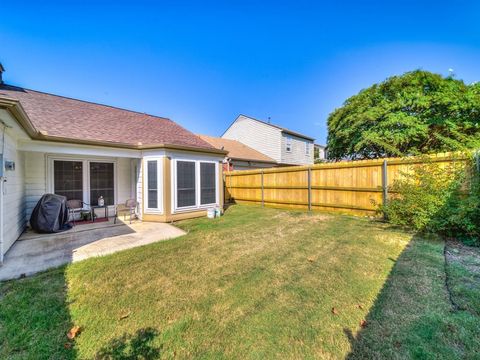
(311, 259)
(67, 345)
(74, 331)
(334, 311)
(360, 306)
(363, 323)
(125, 315)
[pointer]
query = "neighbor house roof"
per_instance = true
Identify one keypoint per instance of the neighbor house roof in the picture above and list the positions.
(285, 130)
(237, 150)
(61, 118)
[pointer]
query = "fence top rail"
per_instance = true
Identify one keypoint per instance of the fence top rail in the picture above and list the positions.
(441, 157)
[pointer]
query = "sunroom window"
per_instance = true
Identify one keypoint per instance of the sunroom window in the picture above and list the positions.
(153, 185)
(195, 184)
(207, 183)
(186, 192)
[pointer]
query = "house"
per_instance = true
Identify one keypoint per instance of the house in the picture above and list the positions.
(84, 150)
(320, 152)
(240, 156)
(284, 146)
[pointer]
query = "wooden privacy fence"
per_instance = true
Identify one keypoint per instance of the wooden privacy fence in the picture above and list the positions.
(348, 186)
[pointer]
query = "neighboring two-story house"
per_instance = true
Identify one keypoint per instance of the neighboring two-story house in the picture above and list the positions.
(286, 147)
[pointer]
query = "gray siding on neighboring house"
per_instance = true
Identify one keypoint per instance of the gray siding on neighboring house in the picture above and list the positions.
(297, 154)
(261, 137)
(250, 165)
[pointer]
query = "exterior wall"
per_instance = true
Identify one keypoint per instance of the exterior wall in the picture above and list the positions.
(261, 137)
(169, 214)
(35, 180)
(297, 155)
(321, 153)
(13, 193)
(38, 180)
(250, 165)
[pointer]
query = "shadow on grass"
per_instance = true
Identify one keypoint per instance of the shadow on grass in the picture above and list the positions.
(413, 316)
(131, 347)
(34, 318)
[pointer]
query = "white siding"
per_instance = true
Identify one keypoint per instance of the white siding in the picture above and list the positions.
(261, 137)
(13, 193)
(297, 154)
(35, 180)
(139, 186)
(124, 178)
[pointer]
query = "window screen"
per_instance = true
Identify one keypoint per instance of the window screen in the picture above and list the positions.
(185, 184)
(152, 186)
(102, 183)
(68, 179)
(207, 183)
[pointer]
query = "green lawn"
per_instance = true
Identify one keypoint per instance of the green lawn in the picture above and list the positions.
(256, 283)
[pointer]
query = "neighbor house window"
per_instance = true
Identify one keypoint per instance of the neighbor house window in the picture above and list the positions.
(307, 148)
(196, 183)
(102, 183)
(153, 185)
(207, 183)
(68, 179)
(186, 194)
(288, 144)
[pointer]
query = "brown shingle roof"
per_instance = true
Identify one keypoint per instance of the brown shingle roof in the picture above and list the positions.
(236, 149)
(81, 120)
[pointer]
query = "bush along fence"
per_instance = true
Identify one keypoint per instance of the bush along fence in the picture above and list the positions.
(357, 187)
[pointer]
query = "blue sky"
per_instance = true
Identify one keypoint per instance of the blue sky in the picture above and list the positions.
(202, 64)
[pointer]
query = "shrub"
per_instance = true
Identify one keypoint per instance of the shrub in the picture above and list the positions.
(437, 199)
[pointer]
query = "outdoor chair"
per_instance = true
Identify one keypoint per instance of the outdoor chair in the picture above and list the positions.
(129, 207)
(74, 206)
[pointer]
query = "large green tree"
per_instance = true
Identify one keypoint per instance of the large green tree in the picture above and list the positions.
(416, 113)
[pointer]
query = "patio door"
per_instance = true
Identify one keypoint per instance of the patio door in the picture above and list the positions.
(84, 180)
(68, 179)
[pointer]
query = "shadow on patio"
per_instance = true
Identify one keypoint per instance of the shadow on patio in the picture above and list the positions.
(34, 252)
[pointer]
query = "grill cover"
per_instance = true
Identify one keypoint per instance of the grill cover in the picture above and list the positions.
(50, 214)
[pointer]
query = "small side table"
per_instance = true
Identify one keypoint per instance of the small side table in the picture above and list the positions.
(92, 209)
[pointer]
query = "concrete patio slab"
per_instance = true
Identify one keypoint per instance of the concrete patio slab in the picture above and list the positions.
(37, 252)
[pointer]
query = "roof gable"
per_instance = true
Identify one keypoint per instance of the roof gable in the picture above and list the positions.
(282, 129)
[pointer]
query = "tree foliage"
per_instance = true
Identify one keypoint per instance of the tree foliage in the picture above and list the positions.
(416, 113)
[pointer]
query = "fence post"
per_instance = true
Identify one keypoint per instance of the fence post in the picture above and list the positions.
(384, 183)
(263, 200)
(309, 189)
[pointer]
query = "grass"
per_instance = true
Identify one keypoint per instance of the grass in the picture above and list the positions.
(256, 283)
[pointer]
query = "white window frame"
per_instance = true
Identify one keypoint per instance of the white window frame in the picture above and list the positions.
(198, 205)
(307, 149)
(159, 208)
(288, 144)
(86, 174)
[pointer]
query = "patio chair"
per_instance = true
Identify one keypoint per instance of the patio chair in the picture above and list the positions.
(129, 207)
(74, 206)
